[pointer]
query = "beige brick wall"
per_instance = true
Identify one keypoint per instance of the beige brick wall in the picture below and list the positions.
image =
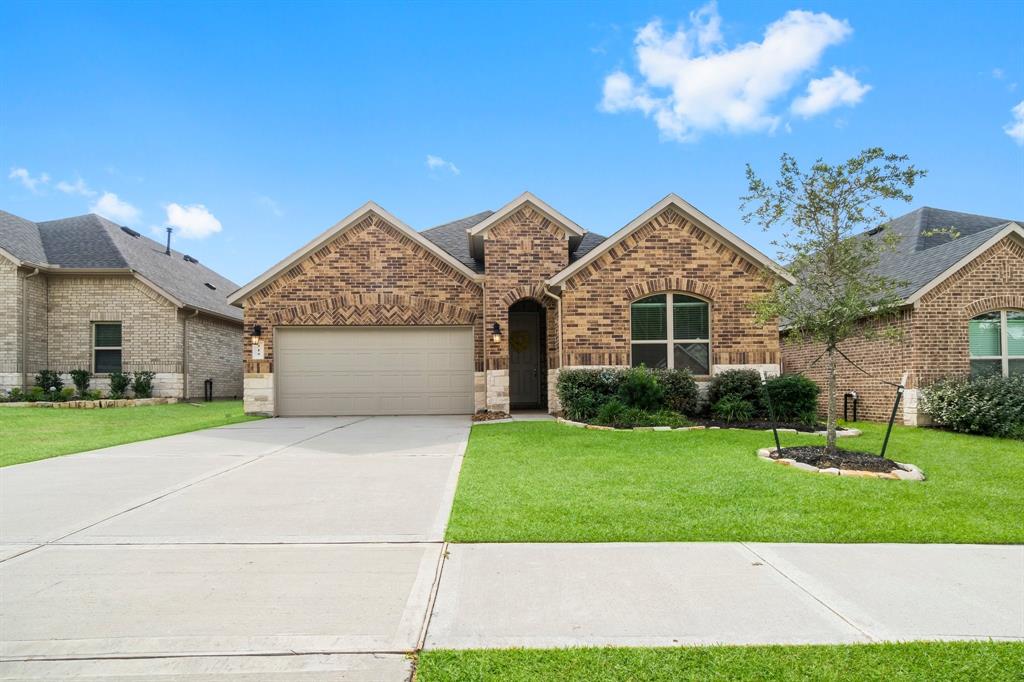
(37, 294)
(214, 352)
(666, 254)
(10, 318)
(151, 325)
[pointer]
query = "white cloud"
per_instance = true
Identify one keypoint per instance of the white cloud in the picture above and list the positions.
(839, 89)
(998, 73)
(77, 187)
(1015, 128)
(30, 183)
(436, 162)
(271, 205)
(192, 222)
(690, 83)
(111, 207)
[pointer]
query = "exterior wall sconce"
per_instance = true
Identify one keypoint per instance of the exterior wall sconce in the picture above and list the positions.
(257, 331)
(496, 333)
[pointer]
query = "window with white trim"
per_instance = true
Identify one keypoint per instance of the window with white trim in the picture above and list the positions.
(106, 347)
(671, 331)
(996, 343)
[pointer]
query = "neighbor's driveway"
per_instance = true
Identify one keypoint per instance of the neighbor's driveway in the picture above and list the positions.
(270, 537)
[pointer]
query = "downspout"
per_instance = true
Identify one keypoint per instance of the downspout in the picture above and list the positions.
(184, 353)
(24, 328)
(558, 300)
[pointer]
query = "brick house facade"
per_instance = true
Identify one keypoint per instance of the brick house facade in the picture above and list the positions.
(531, 285)
(50, 305)
(984, 273)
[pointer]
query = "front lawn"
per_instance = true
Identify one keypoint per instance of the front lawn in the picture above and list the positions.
(31, 433)
(545, 482)
(924, 661)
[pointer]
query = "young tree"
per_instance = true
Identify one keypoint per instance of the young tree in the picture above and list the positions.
(821, 212)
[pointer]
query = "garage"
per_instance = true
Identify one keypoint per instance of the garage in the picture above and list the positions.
(325, 371)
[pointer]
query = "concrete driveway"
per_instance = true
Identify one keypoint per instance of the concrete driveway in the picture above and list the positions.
(215, 550)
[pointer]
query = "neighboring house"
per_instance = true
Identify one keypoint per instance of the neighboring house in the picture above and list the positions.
(85, 293)
(962, 314)
(372, 317)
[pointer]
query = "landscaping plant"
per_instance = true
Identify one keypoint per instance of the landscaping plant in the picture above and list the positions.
(119, 384)
(681, 392)
(67, 393)
(733, 409)
(49, 381)
(794, 399)
(742, 384)
(990, 406)
(821, 212)
(640, 389)
(142, 384)
(582, 392)
(81, 378)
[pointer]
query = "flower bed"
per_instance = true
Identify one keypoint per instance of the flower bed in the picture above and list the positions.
(94, 404)
(813, 458)
(753, 426)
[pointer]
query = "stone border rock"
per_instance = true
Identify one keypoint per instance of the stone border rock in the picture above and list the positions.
(96, 404)
(848, 433)
(913, 473)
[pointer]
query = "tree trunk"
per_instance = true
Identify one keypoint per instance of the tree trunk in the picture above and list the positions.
(830, 437)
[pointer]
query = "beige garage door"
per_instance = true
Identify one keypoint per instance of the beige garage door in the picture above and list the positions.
(373, 370)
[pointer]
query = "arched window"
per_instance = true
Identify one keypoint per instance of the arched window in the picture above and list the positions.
(996, 342)
(673, 331)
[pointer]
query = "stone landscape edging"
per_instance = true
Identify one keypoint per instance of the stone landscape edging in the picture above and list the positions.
(95, 404)
(913, 472)
(847, 433)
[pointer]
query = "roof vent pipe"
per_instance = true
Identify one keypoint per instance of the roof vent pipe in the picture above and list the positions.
(168, 251)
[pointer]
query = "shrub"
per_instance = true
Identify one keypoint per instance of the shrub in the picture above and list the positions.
(743, 384)
(49, 381)
(67, 393)
(640, 389)
(733, 409)
(681, 392)
(610, 412)
(582, 392)
(94, 394)
(119, 384)
(794, 399)
(16, 395)
(990, 406)
(35, 394)
(614, 413)
(142, 384)
(81, 378)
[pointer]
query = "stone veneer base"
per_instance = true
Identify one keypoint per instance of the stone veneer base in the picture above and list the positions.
(95, 404)
(913, 473)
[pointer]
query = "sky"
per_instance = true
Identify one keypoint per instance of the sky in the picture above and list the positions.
(253, 127)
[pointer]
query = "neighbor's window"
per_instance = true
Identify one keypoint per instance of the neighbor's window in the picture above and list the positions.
(106, 347)
(671, 331)
(996, 342)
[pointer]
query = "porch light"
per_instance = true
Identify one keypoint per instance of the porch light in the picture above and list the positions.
(496, 333)
(256, 332)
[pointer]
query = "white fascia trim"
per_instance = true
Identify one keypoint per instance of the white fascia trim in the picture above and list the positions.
(1010, 229)
(512, 206)
(369, 207)
(694, 214)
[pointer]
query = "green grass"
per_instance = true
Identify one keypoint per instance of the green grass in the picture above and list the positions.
(31, 433)
(925, 661)
(545, 482)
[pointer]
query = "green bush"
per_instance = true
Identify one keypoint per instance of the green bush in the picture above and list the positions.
(81, 378)
(733, 409)
(614, 413)
(15, 395)
(94, 394)
(142, 384)
(681, 392)
(119, 384)
(610, 412)
(990, 406)
(743, 384)
(67, 393)
(794, 399)
(35, 394)
(582, 392)
(49, 381)
(640, 389)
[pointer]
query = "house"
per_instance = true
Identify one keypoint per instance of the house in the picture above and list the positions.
(372, 317)
(962, 287)
(86, 293)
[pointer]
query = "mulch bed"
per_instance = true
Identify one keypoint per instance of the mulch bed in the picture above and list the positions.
(816, 456)
(489, 416)
(763, 425)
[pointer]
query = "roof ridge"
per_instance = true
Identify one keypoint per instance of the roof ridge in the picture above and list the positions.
(457, 220)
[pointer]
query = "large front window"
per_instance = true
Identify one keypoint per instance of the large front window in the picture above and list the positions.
(996, 342)
(671, 331)
(106, 347)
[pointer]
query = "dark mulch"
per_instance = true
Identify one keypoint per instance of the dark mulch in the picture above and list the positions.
(489, 416)
(815, 455)
(763, 425)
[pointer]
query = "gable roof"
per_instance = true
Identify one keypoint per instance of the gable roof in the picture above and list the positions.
(925, 254)
(452, 238)
(91, 242)
(691, 213)
(476, 233)
(330, 233)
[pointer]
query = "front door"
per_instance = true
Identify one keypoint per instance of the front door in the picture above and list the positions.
(524, 358)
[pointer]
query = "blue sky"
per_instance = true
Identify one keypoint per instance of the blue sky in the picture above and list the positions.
(271, 122)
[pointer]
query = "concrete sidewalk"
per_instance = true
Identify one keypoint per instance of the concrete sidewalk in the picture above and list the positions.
(670, 594)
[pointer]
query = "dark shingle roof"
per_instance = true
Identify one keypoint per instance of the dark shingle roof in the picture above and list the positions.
(925, 250)
(91, 241)
(452, 238)
(20, 238)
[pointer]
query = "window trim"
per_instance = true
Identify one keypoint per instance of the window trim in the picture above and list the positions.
(96, 348)
(669, 342)
(1004, 342)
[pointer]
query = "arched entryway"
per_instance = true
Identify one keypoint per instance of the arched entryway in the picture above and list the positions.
(527, 351)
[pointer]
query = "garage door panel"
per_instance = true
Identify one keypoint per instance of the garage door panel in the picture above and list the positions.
(374, 370)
